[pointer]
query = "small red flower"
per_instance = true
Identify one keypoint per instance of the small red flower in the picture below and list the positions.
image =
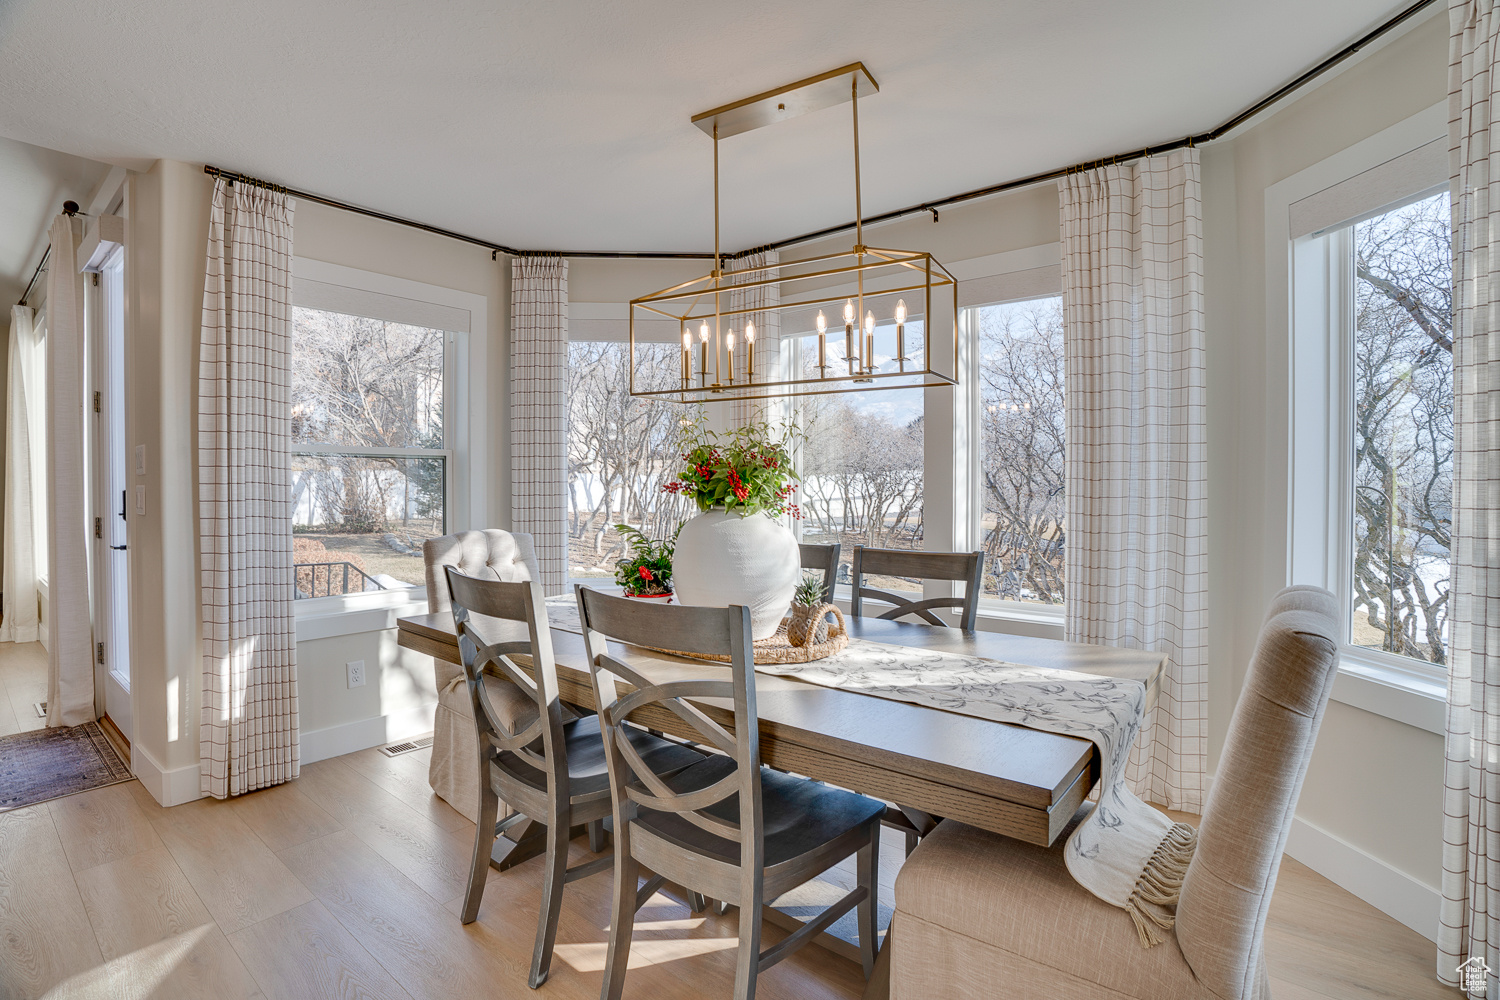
(645, 574)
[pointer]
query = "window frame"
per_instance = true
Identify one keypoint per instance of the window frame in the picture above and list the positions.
(1310, 287)
(464, 450)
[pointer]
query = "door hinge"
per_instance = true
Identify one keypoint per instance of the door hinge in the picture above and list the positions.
(96, 400)
(99, 652)
(96, 279)
(98, 529)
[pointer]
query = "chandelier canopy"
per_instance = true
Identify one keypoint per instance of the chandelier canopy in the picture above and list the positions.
(866, 318)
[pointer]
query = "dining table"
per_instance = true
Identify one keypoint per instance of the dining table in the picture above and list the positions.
(929, 763)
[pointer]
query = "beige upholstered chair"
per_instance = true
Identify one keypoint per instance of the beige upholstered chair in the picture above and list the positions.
(979, 915)
(489, 554)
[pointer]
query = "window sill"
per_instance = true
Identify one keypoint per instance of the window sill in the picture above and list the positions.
(1407, 696)
(330, 617)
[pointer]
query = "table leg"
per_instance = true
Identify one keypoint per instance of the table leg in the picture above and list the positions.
(879, 985)
(522, 842)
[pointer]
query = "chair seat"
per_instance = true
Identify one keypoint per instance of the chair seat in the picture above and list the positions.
(976, 908)
(588, 772)
(800, 815)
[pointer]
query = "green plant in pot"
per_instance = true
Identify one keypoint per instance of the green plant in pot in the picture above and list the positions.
(808, 623)
(646, 571)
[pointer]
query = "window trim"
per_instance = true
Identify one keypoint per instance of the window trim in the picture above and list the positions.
(1309, 289)
(465, 431)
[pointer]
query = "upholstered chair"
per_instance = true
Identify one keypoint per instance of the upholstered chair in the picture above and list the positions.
(980, 915)
(488, 554)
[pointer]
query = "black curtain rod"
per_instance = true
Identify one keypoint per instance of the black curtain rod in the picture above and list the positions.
(929, 206)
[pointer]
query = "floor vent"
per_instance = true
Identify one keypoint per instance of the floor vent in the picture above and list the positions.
(41, 709)
(407, 747)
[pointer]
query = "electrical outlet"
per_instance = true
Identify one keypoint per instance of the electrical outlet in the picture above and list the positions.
(356, 669)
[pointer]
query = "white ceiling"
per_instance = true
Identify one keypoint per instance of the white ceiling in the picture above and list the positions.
(563, 124)
(34, 183)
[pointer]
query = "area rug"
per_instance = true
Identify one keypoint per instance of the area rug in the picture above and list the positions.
(49, 763)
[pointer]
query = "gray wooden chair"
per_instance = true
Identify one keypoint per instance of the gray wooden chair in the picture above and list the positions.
(825, 558)
(966, 567)
(725, 827)
(548, 770)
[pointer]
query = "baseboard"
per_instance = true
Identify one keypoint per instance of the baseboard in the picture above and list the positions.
(335, 741)
(1388, 889)
(169, 787)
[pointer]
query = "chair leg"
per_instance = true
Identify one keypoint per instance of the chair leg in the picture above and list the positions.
(621, 921)
(552, 894)
(867, 865)
(696, 902)
(484, 843)
(597, 841)
(747, 960)
(911, 842)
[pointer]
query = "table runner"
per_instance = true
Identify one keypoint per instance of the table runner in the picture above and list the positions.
(1125, 852)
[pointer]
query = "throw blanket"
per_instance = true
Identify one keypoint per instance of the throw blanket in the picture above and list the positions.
(1125, 851)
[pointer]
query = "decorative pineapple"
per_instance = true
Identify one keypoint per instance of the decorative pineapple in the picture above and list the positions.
(808, 623)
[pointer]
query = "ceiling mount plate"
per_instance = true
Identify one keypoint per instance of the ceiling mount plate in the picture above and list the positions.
(813, 94)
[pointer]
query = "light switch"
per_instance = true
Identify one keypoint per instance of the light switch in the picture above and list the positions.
(140, 499)
(140, 460)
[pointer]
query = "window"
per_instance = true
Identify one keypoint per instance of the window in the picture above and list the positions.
(1021, 475)
(371, 450)
(1401, 445)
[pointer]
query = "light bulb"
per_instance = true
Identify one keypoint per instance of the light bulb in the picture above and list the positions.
(730, 340)
(869, 322)
(687, 340)
(849, 311)
(703, 332)
(822, 322)
(749, 333)
(900, 310)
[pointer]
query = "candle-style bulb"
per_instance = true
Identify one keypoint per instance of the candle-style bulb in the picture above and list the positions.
(822, 322)
(687, 339)
(703, 332)
(749, 333)
(869, 322)
(900, 311)
(848, 311)
(731, 340)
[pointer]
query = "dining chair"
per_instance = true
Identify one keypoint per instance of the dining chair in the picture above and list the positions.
(825, 558)
(965, 567)
(725, 827)
(548, 770)
(974, 909)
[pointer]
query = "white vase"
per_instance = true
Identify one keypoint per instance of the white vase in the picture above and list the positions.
(723, 559)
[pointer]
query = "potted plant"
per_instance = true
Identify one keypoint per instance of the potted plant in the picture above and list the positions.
(736, 550)
(646, 571)
(808, 624)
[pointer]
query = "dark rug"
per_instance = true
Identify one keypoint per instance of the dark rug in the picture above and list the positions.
(49, 763)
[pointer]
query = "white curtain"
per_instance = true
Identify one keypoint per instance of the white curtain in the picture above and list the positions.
(70, 674)
(1132, 271)
(1470, 924)
(767, 331)
(248, 737)
(25, 478)
(539, 411)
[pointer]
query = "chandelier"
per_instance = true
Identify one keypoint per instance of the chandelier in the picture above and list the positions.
(848, 321)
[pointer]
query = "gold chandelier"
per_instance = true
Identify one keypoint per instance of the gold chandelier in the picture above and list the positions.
(763, 331)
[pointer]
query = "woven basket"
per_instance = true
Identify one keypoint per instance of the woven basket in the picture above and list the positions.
(779, 649)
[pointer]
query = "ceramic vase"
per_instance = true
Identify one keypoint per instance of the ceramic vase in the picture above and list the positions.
(723, 559)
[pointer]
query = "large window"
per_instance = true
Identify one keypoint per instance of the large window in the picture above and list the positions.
(1020, 435)
(1402, 432)
(371, 451)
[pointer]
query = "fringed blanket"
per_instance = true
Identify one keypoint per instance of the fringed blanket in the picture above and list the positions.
(1126, 852)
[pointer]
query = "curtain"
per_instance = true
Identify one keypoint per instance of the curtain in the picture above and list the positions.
(1132, 271)
(1469, 928)
(25, 479)
(248, 737)
(70, 638)
(539, 411)
(767, 333)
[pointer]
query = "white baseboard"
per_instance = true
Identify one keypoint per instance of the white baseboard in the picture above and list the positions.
(335, 741)
(1388, 889)
(169, 787)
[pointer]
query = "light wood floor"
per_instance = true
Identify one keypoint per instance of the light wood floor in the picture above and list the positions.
(347, 882)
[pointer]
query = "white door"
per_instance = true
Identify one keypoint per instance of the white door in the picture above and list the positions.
(112, 501)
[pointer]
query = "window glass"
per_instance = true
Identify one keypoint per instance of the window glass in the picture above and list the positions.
(369, 483)
(1403, 431)
(1021, 449)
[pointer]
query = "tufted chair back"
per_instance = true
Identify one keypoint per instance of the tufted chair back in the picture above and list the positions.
(487, 554)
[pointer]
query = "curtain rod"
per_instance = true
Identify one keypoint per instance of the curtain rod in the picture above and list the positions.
(1188, 140)
(69, 208)
(928, 206)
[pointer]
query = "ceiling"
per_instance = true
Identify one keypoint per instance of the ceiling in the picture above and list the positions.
(563, 124)
(34, 183)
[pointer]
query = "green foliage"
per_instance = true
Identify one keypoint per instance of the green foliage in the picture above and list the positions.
(647, 570)
(745, 470)
(809, 592)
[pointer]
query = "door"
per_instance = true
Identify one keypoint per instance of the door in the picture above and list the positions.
(112, 502)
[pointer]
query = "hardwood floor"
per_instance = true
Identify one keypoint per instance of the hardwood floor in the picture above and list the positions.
(348, 882)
